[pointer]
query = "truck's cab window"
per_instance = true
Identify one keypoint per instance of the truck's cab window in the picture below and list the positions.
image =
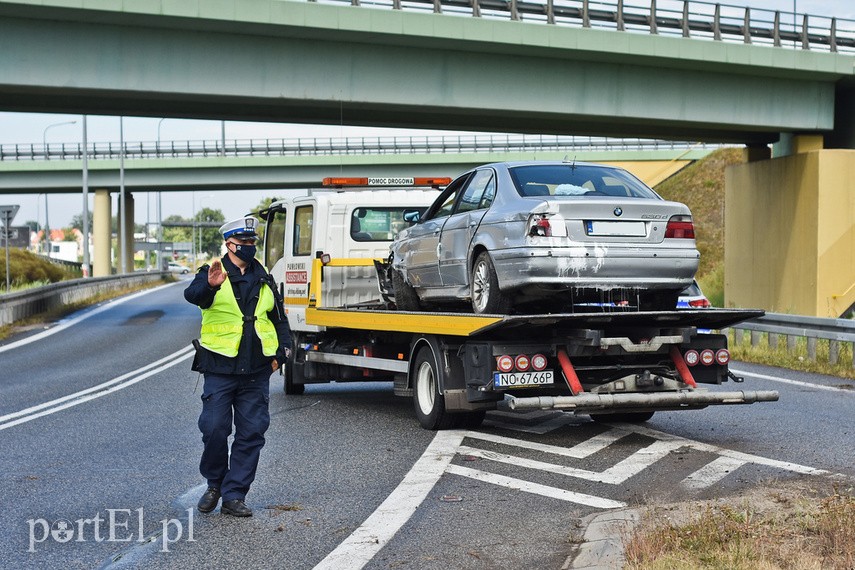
(274, 237)
(303, 218)
(377, 224)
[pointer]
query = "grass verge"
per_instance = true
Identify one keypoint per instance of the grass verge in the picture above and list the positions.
(775, 527)
(49, 316)
(795, 358)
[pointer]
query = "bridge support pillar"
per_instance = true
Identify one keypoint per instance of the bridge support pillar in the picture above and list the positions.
(101, 234)
(790, 230)
(126, 241)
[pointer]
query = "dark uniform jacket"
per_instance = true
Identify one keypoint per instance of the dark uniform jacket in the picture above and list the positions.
(250, 359)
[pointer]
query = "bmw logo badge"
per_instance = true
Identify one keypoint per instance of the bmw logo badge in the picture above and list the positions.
(618, 211)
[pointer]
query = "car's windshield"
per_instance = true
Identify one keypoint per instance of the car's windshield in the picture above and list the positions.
(575, 181)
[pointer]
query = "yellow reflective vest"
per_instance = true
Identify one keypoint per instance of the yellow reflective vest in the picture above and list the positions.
(222, 322)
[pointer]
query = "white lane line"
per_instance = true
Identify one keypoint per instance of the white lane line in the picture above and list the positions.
(535, 488)
(365, 542)
(62, 325)
(614, 475)
(711, 473)
(578, 451)
(747, 457)
(94, 392)
(793, 382)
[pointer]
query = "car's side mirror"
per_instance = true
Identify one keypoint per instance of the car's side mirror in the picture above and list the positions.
(412, 216)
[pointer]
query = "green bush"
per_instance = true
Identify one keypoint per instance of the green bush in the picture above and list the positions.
(26, 267)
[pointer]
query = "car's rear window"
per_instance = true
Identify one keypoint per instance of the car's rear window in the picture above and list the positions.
(576, 181)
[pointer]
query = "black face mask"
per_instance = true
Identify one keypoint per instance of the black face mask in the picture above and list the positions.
(245, 252)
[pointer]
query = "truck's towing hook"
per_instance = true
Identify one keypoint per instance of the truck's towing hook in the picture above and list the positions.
(734, 377)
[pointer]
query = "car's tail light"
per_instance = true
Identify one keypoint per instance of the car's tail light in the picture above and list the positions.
(505, 363)
(541, 227)
(680, 227)
(700, 303)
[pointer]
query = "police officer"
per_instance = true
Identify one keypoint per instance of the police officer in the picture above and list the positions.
(245, 336)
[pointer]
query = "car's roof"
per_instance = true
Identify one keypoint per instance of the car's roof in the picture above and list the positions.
(517, 163)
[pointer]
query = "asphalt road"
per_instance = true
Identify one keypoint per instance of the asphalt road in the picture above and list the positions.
(98, 429)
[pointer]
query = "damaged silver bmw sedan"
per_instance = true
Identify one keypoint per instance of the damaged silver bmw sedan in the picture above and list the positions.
(545, 237)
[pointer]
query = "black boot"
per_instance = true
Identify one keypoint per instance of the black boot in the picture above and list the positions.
(236, 508)
(209, 500)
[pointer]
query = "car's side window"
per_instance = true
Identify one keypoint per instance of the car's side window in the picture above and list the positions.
(448, 197)
(474, 193)
(489, 193)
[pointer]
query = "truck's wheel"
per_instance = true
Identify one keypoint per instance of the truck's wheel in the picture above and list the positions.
(427, 400)
(406, 297)
(294, 370)
(484, 288)
(628, 417)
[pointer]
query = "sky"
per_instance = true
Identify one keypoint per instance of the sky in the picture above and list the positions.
(25, 128)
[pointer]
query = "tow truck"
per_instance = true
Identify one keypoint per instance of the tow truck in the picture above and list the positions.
(329, 252)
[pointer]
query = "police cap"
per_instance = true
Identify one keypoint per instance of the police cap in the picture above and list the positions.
(244, 227)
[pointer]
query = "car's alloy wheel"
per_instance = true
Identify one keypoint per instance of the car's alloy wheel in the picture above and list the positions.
(486, 296)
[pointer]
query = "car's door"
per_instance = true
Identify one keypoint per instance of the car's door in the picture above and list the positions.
(456, 235)
(421, 251)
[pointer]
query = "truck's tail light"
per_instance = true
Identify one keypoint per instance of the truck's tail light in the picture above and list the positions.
(540, 227)
(680, 227)
(522, 362)
(505, 363)
(707, 357)
(722, 356)
(538, 362)
(692, 357)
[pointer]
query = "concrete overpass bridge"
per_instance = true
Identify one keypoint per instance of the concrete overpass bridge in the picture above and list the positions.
(519, 66)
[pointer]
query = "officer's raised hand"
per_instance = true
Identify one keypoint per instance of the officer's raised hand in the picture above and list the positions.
(216, 275)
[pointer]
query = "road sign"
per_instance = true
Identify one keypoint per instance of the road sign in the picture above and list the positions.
(19, 236)
(7, 213)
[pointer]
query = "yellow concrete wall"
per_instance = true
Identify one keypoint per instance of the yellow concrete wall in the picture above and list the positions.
(651, 172)
(789, 226)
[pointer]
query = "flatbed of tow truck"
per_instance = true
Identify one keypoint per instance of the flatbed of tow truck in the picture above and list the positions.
(612, 364)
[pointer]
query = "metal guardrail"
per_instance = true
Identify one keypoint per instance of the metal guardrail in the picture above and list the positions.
(689, 19)
(335, 146)
(23, 304)
(836, 331)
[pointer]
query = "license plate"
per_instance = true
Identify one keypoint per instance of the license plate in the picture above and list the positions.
(518, 379)
(630, 229)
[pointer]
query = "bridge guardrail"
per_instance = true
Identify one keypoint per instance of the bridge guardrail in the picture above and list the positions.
(23, 304)
(836, 331)
(334, 146)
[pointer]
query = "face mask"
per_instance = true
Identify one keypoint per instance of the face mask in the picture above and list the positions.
(245, 252)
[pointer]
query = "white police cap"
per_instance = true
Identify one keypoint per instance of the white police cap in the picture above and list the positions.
(243, 227)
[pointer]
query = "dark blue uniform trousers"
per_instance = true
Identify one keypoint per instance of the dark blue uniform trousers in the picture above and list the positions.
(245, 400)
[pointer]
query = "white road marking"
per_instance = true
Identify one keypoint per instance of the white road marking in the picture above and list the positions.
(94, 392)
(792, 382)
(578, 451)
(618, 473)
(536, 488)
(365, 542)
(540, 429)
(64, 324)
(711, 473)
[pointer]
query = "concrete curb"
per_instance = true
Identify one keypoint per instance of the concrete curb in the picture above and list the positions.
(601, 546)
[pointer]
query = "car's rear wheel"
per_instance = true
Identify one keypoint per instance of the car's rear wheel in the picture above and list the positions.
(484, 288)
(406, 297)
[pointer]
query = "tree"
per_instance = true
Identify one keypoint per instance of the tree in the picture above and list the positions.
(210, 238)
(77, 221)
(177, 233)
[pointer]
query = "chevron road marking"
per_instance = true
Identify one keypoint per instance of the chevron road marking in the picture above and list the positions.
(578, 451)
(711, 473)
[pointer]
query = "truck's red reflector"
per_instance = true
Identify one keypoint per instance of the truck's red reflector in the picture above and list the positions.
(707, 357)
(691, 357)
(680, 227)
(538, 362)
(505, 363)
(722, 356)
(522, 362)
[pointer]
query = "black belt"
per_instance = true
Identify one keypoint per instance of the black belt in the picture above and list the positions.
(250, 318)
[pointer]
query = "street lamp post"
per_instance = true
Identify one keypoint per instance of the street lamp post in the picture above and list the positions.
(47, 155)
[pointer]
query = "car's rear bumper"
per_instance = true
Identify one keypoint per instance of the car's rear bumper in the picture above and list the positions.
(590, 267)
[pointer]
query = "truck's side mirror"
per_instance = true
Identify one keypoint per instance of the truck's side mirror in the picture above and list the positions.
(412, 216)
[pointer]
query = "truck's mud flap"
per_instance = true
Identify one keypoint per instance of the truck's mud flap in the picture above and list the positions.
(661, 401)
